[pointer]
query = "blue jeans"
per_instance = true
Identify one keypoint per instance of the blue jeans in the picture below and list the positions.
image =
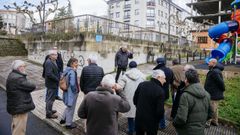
(131, 125)
(162, 123)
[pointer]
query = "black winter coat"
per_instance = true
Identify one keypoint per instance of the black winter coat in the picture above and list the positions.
(214, 83)
(19, 99)
(59, 62)
(91, 77)
(169, 78)
(175, 105)
(121, 58)
(149, 102)
(52, 75)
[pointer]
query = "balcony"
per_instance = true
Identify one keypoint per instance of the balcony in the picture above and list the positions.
(151, 3)
(126, 17)
(150, 15)
(127, 6)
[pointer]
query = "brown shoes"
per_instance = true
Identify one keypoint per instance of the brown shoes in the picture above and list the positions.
(53, 116)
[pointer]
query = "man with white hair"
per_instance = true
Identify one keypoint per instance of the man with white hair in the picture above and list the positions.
(59, 62)
(149, 102)
(100, 108)
(91, 76)
(214, 85)
(52, 77)
(19, 100)
(121, 60)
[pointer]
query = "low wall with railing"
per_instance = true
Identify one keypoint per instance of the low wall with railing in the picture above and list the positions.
(81, 48)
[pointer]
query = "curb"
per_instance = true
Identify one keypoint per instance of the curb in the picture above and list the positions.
(57, 127)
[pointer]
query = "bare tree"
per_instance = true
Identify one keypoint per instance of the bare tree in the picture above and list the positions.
(43, 9)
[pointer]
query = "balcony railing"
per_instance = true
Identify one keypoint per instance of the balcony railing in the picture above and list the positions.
(127, 6)
(151, 3)
(126, 17)
(150, 15)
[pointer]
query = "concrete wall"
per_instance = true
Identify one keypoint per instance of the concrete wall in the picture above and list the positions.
(105, 51)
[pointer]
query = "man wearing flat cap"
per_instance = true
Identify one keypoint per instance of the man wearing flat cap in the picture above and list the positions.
(52, 78)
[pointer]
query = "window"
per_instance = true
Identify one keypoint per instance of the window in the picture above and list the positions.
(136, 22)
(128, 2)
(161, 13)
(158, 12)
(159, 2)
(202, 39)
(127, 14)
(126, 26)
(117, 14)
(118, 4)
(137, 12)
(136, 1)
(150, 22)
(162, 2)
(111, 15)
(166, 15)
(166, 4)
(150, 12)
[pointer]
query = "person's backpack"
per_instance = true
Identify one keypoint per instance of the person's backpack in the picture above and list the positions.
(63, 83)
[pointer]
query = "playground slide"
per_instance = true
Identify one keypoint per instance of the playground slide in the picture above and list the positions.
(223, 51)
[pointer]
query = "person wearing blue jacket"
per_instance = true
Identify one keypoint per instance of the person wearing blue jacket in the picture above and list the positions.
(70, 96)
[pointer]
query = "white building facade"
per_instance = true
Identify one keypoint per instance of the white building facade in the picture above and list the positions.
(153, 15)
(14, 22)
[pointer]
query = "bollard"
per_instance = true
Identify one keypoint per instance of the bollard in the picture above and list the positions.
(187, 57)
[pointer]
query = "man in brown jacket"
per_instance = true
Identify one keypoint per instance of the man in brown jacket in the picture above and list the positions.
(100, 108)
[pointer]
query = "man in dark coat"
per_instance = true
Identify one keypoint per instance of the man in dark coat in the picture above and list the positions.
(91, 76)
(59, 62)
(194, 107)
(149, 102)
(121, 61)
(52, 78)
(19, 99)
(100, 108)
(214, 85)
(169, 79)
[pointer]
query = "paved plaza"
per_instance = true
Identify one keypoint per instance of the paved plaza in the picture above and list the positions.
(34, 74)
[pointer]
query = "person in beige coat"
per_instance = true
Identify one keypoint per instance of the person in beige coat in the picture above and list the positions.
(129, 83)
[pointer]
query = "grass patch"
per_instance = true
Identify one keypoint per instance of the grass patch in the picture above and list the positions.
(229, 108)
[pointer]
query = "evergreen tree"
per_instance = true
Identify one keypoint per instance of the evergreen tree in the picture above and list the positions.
(1, 22)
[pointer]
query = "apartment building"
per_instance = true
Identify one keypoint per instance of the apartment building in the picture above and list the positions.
(14, 22)
(154, 15)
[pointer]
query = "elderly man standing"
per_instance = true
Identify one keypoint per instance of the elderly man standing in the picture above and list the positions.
(91, 76)
(121, 61)
(194, 107)
(19, 100)
(100, 108)
(214, 85)
(52, 78)
(149, 102)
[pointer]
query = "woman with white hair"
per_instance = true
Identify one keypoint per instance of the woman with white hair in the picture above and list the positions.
(149, 102)
(100, 108)
(19, 99)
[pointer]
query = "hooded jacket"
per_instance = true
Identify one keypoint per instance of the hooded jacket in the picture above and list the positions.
(129, 82)
(193, 111)
(214, 83)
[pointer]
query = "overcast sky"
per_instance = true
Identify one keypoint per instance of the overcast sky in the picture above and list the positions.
(96, 7)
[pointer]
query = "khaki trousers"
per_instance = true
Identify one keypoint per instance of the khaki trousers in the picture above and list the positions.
(19, 124)
(214, 105)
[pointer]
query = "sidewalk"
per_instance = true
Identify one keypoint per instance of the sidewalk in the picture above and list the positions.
(34, 73)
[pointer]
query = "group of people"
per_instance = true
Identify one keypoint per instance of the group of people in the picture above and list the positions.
(141, 101)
